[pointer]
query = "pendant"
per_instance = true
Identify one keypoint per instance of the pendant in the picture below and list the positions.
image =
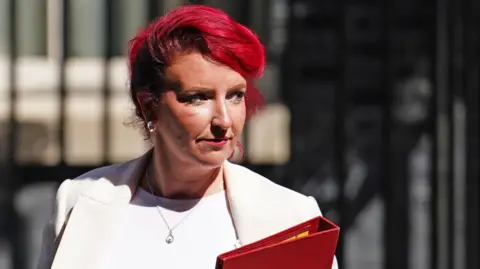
(169, 238)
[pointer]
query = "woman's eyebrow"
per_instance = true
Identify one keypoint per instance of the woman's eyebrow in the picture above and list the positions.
(205, 89)
(198, 89)
(238, 86)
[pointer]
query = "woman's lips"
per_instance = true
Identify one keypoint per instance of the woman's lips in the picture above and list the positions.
(216, 142)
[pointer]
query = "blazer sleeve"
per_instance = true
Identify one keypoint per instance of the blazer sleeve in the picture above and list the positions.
(317, 212)
(54, 228)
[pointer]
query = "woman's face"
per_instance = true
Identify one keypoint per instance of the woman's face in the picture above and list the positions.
(201, 117)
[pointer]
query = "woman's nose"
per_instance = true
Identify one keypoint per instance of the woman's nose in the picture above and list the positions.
(221, 117)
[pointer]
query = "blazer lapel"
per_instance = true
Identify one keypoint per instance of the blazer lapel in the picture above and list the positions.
(95, 216)
(87, 234)
(254, 208)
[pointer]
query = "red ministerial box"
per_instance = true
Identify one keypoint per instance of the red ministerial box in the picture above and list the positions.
(309, 245)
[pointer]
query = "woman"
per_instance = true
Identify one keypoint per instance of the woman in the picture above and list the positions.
(182, 203)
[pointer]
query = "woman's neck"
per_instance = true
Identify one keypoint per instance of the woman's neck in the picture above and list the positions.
(187, 182)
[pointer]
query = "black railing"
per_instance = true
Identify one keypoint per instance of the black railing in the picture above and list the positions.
(471, 79)
(13, 224)
(62, 88)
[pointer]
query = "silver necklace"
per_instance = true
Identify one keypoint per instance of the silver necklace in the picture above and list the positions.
(170, 238)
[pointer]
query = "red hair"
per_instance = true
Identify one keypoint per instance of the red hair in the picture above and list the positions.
(199, 28)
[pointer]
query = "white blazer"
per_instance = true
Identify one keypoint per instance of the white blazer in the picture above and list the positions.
(88, 206)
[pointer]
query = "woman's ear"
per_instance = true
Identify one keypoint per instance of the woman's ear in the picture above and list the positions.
(146, 101)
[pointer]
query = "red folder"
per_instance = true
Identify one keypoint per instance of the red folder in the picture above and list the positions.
(309, 245)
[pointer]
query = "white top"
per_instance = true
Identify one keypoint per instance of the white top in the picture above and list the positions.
(206, 232)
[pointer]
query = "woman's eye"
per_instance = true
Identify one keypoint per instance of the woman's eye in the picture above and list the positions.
(194, 98)
(237, 96)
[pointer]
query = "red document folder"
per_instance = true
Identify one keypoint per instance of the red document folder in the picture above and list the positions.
(309, 245)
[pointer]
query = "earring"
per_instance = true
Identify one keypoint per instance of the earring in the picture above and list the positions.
(150, 127)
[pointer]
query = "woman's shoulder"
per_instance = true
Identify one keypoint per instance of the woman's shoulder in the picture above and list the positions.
(113, 173)
(88, 178)
(70, 189)
(261, 188)
(259, 183)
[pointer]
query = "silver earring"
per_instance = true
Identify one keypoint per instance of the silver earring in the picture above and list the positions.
(150, 127)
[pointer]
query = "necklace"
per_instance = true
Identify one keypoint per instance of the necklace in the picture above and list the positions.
(170, 238)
